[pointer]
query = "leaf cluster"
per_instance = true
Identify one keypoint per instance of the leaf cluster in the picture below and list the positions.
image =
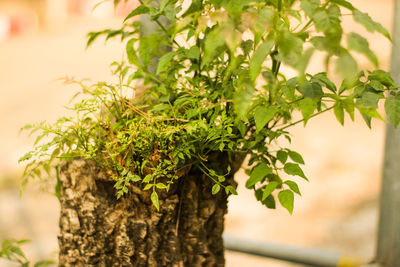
(11, 250)
(210, 80)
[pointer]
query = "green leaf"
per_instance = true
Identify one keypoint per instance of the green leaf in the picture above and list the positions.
(26, 127)
(392, 108)
(131, 53)
(323, 78)
(296, 157)
(286, 198)
(259, 57)
(307, 107)
(247, 46)
(193, 53)
(160, 107)
(309, 6)
(369, 100)
(269, 202)
(18, 251)
(241, 100)
(268, 189)
(290, 48)
(258, 174)
(320, 43)
(367, 119)
(311, 90)
(147, 178)
(303, 61)
(57, 187)
(230, 189)
(44, 263)
(92, 37)
(339, 112)
(348, 105)
(235, 6)
(343, 3)
(161, 186)
(142, 9)
(282, 156)
(378, 86)
(214, 41)
(23, 241)
(346, 65)
(148, 47)
(164, 60)
(381, 76)
(154, 199)
(370, 24)
(215, 189)
(242, 128)
(27, 156)
(368, 114)
(360, 44)
(351, 82)
(263, 115)
(194, 7)
(327, 20)
(293, 186)
(294, 169)
(133, 177)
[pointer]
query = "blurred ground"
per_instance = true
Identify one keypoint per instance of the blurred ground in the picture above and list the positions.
(338, 209)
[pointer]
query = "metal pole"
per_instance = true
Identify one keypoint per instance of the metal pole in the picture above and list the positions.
(388, 243)
(300, 255)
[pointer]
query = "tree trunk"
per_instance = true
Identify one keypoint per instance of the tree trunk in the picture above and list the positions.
(96, 229)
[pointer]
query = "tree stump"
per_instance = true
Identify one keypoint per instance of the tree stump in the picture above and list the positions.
(96, 229)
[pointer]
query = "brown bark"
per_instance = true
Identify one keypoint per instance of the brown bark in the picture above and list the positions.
(96, 229)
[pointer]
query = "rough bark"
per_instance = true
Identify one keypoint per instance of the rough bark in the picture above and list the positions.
(96, 229)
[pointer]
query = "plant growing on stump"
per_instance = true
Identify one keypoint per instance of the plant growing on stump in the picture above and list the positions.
(146, 165)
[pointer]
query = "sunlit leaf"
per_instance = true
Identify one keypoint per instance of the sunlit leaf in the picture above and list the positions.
(339, 112)
(142, 9)
(263, 115)
(360, 44)
(258, 173)
(294, 169)
(268, 189)
(370, 24)
(286, 198)
(154, 199)
(259, 57)
(215, 189)
(392, 108)
(293, 186)
(164, 60)
(296, 157)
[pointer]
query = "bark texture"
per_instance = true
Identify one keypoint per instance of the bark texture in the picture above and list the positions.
(96, 229)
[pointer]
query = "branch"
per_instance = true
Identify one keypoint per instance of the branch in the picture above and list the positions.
(313, 115)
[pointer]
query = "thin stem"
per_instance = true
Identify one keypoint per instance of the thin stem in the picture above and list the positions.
(166, 31)
(296, 122)
(306, 26)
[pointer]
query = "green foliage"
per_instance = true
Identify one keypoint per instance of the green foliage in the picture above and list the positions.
(11, 250)
(213, 84)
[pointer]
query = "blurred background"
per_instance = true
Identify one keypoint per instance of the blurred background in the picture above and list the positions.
(43, 40)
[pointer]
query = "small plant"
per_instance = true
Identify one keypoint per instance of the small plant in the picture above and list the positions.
(217, 86)
(11, 250)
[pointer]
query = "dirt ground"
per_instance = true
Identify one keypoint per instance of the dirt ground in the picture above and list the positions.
(338, 208)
